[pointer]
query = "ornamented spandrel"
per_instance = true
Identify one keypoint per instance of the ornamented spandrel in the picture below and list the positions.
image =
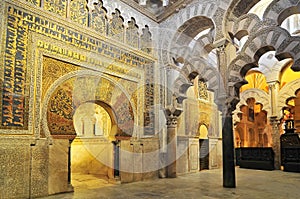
(98, 18)
(52, 70)
(116, 28)
(132, 35)
(56, 6)
(35, 2)
(60, 110)
(104, 90)
(61, 104)
(79, 12)
(146, 40)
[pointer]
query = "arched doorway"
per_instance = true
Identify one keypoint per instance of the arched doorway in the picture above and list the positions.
(107, 98)
(93, 150)
(203, 147)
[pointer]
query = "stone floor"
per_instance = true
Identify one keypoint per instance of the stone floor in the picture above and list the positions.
(205, 185)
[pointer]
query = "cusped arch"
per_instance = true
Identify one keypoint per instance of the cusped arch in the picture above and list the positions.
(269, 39)
(127, 13)
(260, 97)
(278, 39)
(289, 90)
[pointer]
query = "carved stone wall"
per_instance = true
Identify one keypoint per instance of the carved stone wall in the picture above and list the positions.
(15, 168)
(50, 51)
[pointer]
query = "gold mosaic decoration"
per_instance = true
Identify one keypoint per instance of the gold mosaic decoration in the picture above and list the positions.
(14, 103)
(79, 12)
(35, 2)
(56, 6)
(52, 70)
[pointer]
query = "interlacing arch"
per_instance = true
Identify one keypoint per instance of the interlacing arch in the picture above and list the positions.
(260, 97)
(210, 9)
(288, 91)
(264, 39)
(187, 43)
(267, 39)
(249, 23)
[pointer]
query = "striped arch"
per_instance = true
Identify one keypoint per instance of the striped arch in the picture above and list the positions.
(250, 23)
(272, 38)
(259, 95)
(239, 67)
(190, 28)
(190, 71)
(289, 90)
(276, 8)
(168, 28)
(203, 47)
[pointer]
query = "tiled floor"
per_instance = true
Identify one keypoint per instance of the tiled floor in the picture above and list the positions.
(207, 184)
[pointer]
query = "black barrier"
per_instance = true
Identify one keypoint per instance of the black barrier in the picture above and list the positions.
(255, 158)
(290, 152)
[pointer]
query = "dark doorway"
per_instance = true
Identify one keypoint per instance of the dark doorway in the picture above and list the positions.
(116, 159)
(204, 154)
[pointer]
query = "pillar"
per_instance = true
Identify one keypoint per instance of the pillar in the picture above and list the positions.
(228, 152)
(276, 141)
(274, 89)
(297, 113)
(171, 146)
(172, 113)
(229, 97)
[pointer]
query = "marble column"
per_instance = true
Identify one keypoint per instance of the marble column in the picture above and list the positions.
(227, 102)
(276, 141)
(172, 146)
(172, 113)
(274, 89)
(228, 152)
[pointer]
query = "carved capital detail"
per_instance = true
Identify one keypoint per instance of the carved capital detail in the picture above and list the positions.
(172, 121)
(274, 121)
(172, 113)
(273, 85)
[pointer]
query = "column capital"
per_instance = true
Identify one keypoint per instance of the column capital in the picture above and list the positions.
(273, 91)
(172, 112)
(172, 121)
(273, 84)
(221, 44)
(274, 122)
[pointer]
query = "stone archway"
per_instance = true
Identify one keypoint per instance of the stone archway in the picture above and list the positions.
(92, 151)
(62, 99)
